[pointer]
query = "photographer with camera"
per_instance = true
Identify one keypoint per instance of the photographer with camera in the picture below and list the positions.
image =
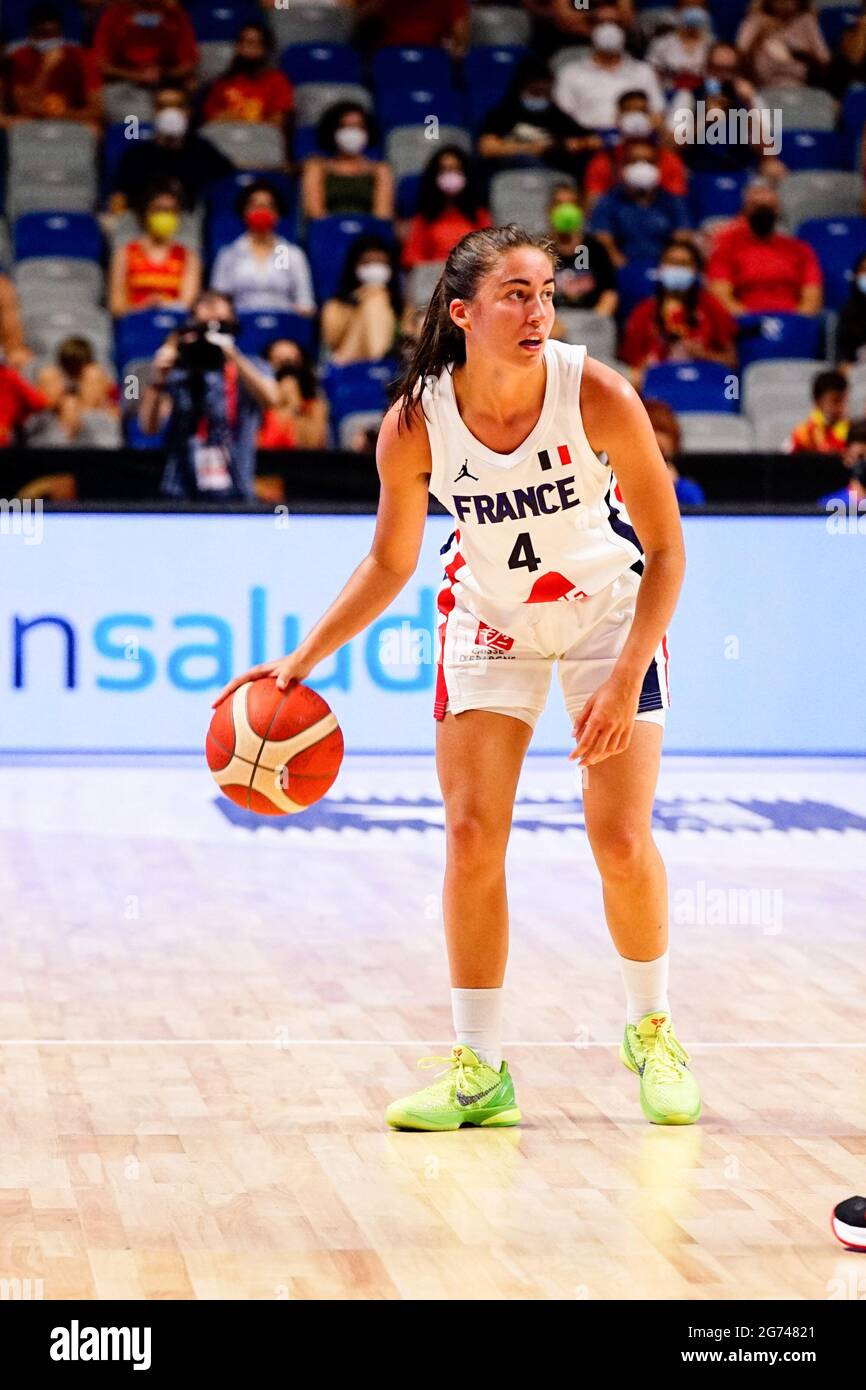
(209, 399)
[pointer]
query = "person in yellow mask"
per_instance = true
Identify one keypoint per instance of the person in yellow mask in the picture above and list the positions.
(155, 268)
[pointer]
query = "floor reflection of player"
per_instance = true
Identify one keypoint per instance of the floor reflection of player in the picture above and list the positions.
(561, 475)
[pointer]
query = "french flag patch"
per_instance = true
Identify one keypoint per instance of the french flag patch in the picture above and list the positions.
(489, 637)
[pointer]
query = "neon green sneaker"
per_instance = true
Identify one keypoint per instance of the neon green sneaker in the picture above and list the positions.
(468, 1093)
(669, 1094)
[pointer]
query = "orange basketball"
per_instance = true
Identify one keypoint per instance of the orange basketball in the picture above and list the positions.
(274, 751)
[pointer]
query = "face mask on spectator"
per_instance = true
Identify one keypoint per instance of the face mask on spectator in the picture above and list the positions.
(635, 123)
(676, 278)
(763, 221)
(608, 38)
(374, 273)
(351, 139)
(566, 217)
(172, 122)
(642, 176)
(713, 86)
(146, 20)
(47, 45)
(693, 18)
(162, 224)
(451, 181)
(535, 103)
(261, 219)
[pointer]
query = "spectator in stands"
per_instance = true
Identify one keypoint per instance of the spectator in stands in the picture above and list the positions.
(853, 494)
(155, 269)
(13, 348)
(527, 126)
(83, 410)
(343, 178)
(585, 277)
(557, 23)
(756, 269)
(681, 322)
(588, 90)
(261, 269)
(301, 413)
(449, 206)
(781, 45)
(851, 333)
(364, 440)
(633, 121)
(360, 323)
(251, 89)
(669, 439)
(848, 65)
(77, 373)
(637, 218)
(725, 155)
(207, 397)
(444, 24)
(680, 56)
(18, 401)
(175, 153)
(826, 430)
(145, 42)
(47, 78)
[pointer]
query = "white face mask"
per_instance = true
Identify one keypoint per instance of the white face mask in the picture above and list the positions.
(47, 45)
(608, 38)
(374, 273)
(171, 121)
(351, 139)
(642, 176)
(635, 123)
(451, 181)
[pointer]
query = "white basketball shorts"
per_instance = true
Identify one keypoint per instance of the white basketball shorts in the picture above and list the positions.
(480, 667)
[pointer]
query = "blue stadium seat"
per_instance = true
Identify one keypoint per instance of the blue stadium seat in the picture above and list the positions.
(764, 336)
(220, 196)
(813, 149)
(136, 437)
(359, 386)
(328, 241)
(219, 21)
(835, 20)
(635, 281)
(406, 197)
(14, 15)
(58, 234)
(399, 65)
(115, 145)
(487, 71)
(413, 105)
(691, 386)
(321, 62)
(140, 334)
(716, 195)
(260, 328)
(728, 15)
(853, 120)
(838, 242)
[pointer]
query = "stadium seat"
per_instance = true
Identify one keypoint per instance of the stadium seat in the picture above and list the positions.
(312, 99)
(260, 328)
(838, 243)
(802, 108)
(14, 17)
(407, 195)
(649, 21)
(406, 106)
(219, 22)
(421, 282)
(55, 190)
(114, 146)
(778, 335)
(321, 62)
(213, 59)
(74, 234)
(716, 195)
(58, 281)
(124, 99)
(399, 65)
(222, 195)
(409, 147)
(712, 432)
(140, 334)
(634, 282)
(852, 120)
(494, 24)
(812, 149)
(35, 146)
(821, 194)
(328, 242)
(596, 331)
(523, 195)
(774, 427)
(782, 384)
(309, 24)
(358, 420)
(247, 144)
(692, 386)
(487, 73)
(835, 19)
(573, 53)
(46, 328)
(727, 17)
(359, 386)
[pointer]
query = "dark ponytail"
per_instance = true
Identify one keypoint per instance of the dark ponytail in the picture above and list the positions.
(440, 342)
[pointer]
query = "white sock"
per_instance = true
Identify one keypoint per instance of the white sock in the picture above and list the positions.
(646, 986)
(477, 1017)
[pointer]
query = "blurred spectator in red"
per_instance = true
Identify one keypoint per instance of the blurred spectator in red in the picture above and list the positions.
(301, 420)
(343, 178)
(174, 154)
(527, 125)
(449, 206)
(585, 277)
(360, 323)
(45, 77)
(634, 121)
(826, 430)
(589, 89)
(636, 218)
(445, 24)
(145, 42)
(12, 345)
(756, 269)
(260, 269)
(681, 322)
(680, 56)
(558, 23)
(18, 401)
(251, 89)
(155, 269)
(669, 439)
(781, 44)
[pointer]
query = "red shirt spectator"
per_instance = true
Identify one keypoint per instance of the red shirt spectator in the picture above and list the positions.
(649, 340)
(18, 400)
(413, 25)
(431, 241)
(604, 169)
(59, 84)
(144, 40)
(243, 98)
(765, 274)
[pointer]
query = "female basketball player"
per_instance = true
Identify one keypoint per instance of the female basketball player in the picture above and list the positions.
(535, 449)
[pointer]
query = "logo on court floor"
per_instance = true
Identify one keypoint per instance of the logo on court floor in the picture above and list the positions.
(490, 637)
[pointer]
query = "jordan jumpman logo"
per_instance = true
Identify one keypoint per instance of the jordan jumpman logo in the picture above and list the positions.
(464, 473)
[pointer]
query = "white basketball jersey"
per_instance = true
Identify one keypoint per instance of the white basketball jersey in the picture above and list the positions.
(544, 523)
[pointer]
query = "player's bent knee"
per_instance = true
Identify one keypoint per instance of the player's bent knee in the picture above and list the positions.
(620, 849)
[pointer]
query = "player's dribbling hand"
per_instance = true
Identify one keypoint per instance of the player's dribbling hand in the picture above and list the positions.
(286, 670)
(604, 726)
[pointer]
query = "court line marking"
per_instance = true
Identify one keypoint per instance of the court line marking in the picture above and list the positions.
(283, 1044)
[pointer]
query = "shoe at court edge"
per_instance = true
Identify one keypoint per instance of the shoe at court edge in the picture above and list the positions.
(466, 1092)
(669, 1094)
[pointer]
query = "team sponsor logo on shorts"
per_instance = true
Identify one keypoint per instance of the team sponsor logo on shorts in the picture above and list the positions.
(489, 637)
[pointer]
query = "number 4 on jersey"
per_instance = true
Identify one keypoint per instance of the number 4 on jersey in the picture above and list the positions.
(523, 556)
